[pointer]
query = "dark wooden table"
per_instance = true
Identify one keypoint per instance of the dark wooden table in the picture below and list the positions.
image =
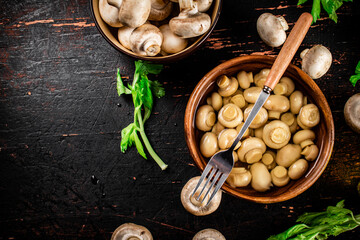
(60, 123)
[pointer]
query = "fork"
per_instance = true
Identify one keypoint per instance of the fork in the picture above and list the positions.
(221, 163)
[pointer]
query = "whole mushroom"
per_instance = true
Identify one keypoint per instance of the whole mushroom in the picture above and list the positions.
(272, 29)
(239, 177)
(109, 12)
(128, 231)
(146, 40)
(209, 234)
(309, 116)
(205, 118)
(124, 34)
(134, 13)
(352, 112)
(251, 150)
(276, 134)
(209, 144)
(160, 9)
(316, 61)
(172, 43)
(230, 115)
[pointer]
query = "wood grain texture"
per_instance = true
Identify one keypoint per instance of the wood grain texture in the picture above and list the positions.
(60, 123)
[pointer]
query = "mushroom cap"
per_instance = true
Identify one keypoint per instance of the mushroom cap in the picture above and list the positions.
(298, 168)
(209, 144)
(227, 86)
(316, 61)
(230, 115)
(131, 231)
(260, 118)
(203, 5)
(146, 40)
(276, 134)
(205, 118)
(288, 154)
(196, 207)
(226, 138)
(239, 177)
(160, 13)
(352, 112)
(277, 103)
(272, 29)
(189, 24)
(172, 43)
(309, 115)
(124, 34)
(245, 152)
(109, 13)
(134, 13)
(209, 234)
(261, 178)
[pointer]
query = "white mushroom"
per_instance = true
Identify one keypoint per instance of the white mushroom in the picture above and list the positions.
(260, 118)
(298, 169)
(124, 34)
(239, 177)
(226, 138)
(208, 144)
(352, 112)
(217, 128)
(285, 87)
(316, 61)
(230, 115)
(276, 134)
(198, 207)
(227, 86)
(203, 5)
(260, 77)
(277, 103)
(172, 43)
(261, 179)
(129, 231)
(309, 116)
(109, 12)
(279, 176)
(215, 100)
(190, 22)
(209, 234)
(268, 159)
(288, 154)
(251, 94)
(238, 100)
(146, 40)
(205, 118)
(251, 150)
(304, 138)
(245, 79)
(134, 13)
(296, 102)
(272, 29)
(310, 152)
(160, 9)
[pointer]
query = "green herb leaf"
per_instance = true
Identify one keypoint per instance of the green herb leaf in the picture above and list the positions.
(301, 2)
(354, 78)
(139, 145)
(315, 11)
(126, 137)
(157, 89)
(121, 89)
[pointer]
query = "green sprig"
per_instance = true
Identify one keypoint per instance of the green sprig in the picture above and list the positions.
(354, 78)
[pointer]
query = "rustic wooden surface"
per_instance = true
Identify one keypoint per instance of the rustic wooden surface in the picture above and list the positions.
(61, 120)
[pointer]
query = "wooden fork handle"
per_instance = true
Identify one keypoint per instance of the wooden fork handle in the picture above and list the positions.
(289, 49)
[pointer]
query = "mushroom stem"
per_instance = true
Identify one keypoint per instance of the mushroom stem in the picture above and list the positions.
(187, 5)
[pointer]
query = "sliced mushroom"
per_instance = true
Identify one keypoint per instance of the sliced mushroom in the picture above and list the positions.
(260, 118)
(251, 94)
(239, 177)
(190, 22)
(352, 112)
(128, 231)
(172, 43)
(304, 138)
(146, 40)
(109, 13)
(209, 144)
(205, 118)
(296, 102)
(285, 87)
(309, 116)
(316, 61)
(261, 179)
(272, 29)
(288, 154)
(134, 13)
(310, 152)
(277, 103)
(226, 138)
(215, 100)
(276, 134)
(230, 115)
(227, 86)
(245, 79)
(268, 159)
(124, 34)
(260, 77)
(251, 150)
(298, 169)
(160, 9)
(279, 176)
(198, 207)
(209, 234)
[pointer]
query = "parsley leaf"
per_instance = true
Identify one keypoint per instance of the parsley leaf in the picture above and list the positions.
(354, 78)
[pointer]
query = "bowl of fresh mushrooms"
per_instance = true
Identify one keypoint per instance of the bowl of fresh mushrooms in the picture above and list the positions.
(156, 30)
(288, 144)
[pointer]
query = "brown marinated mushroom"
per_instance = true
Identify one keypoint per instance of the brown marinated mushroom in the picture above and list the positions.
(172, 43)
(230, 115)
(226, 138)
(288, 118)
(274, 114)
(217, 128)
(288, 154)
(310, 152)
(205, 118)
(209, 144)
(304, 138)
(260, 118)
(146, 40)
(277, 103)
(129, 231)
(272, 29)
(276, 134)
(279, 176)
(260, 77)
(215, 100)
(134, 13)
(198, 207)
(268, 159)
(109, 12)
(160, 9)
(227, 86)
(245, 79)
(316, 61)
(296, 102)
(298, 169)
(258, 132)
(309, 116)
(239, 177)
(247, 132)
(352, 112)
(251, 94)
(209, 234)
(238, 100)
(251, 150)
(190, 22)
(261, 179)
(285, 87)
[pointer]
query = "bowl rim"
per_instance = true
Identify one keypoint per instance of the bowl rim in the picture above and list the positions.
(169, 58)
(189, 123)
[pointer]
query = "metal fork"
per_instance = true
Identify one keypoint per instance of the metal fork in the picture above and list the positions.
(220, 165)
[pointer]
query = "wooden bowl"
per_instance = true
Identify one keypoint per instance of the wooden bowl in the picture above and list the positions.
(110, 34)
(324, 130)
